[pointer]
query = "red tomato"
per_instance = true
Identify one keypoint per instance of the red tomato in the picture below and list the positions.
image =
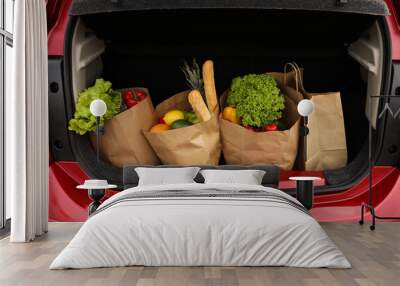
(161, 120)
(271, 127)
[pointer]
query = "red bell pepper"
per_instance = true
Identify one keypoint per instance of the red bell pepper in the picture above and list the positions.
(140, 93)
(131, 98)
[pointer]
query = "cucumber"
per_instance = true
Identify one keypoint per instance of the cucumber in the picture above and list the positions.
(180, 124)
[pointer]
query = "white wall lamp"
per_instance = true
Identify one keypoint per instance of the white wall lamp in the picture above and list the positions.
(305, 108)
(98, 108)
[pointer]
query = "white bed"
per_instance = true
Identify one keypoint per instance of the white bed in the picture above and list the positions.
(267, 229)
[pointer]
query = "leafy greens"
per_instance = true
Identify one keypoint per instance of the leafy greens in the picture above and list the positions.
(257, 99)
(83, 120)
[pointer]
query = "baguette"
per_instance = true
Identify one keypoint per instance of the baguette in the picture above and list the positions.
(198, 105)
(209, 87)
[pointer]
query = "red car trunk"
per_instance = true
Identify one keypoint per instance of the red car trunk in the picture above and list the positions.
(338, 196)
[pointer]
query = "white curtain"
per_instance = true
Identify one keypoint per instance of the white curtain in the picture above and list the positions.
(27, 150)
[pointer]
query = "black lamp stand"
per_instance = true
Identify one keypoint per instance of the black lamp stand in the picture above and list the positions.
(371, 163)
(97, 138)
(99, 132)
(303, 133)
(96, 196)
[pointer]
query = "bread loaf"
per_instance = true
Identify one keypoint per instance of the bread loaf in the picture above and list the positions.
(209, 87)
(198, 105)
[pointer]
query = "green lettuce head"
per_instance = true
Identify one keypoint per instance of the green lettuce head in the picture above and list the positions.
(257, 99)
(83, 120)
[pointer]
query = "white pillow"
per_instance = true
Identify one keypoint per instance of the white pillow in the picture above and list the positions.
(166, 176)
(248, 177)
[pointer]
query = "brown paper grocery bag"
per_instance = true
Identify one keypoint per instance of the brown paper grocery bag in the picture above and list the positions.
(326, 141)
(198, 144)
(279, 148)
(123, 141)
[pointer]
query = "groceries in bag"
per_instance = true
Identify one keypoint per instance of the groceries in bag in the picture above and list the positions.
(129, 111)
(190, 134)
(259, 122)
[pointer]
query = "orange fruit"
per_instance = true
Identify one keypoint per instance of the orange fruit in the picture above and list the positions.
(161, 127)
(230, 114)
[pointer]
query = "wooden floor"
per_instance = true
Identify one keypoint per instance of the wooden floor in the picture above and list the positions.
(375, 257)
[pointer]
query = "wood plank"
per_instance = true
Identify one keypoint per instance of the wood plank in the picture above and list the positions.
(375, 257)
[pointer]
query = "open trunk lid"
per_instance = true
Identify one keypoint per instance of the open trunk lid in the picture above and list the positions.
(315, 34)
(371, 7)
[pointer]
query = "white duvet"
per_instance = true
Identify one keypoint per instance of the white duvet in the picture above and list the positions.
(200, 231)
